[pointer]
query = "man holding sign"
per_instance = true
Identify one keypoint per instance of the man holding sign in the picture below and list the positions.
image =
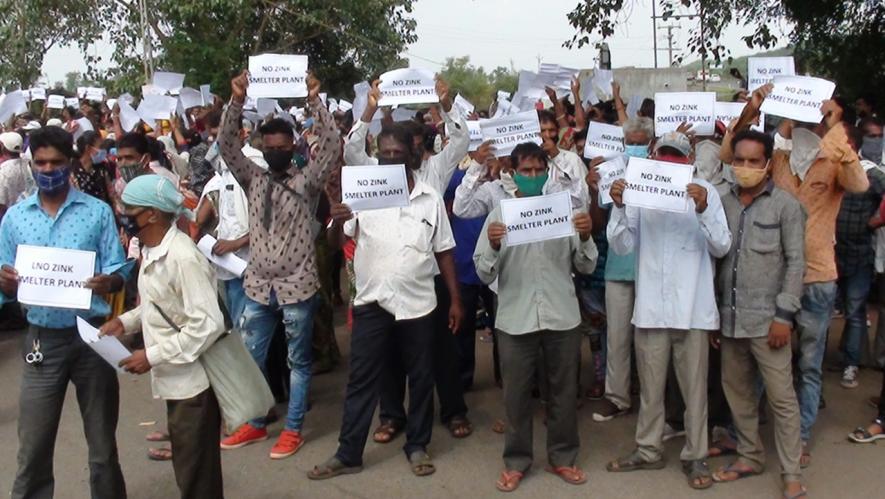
(675, 307)
(538, 315)
(821, 167)
(63, 218)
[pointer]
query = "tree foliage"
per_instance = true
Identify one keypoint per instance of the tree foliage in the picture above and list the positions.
(475, 84)
(839, 39)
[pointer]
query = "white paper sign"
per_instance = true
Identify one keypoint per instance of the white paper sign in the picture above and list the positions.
(602, 82)
(695, 108)
(509, 131)
(502, 95)
(798, 98)
(83, 125)
(761, 70)
(229, 261)
(56, 102)
(129, 117)
(604, 140)
(360, 99)
(726, 112)
(277, 75)
(157, 107)
(72, 102)
(171, 82)
(475, 132)
(344, 106)
(190, 97)
(95, 94)
(463, 105)
(374, 187)
(12, 104)
(205, 94)
(38, 93)
(81, 92)
(657, 185)
(127, 97)
(54, 277)
(537, 218)
(407, 86)
(609, 172)
(266, 106)
(108, 348)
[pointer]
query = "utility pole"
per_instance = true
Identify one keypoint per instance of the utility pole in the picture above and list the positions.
(146, 42)
(669, 48)
(654, 29)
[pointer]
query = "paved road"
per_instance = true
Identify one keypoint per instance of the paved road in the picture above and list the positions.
(466, 468)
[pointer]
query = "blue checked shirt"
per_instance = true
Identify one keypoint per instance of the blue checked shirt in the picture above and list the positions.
(84, 223)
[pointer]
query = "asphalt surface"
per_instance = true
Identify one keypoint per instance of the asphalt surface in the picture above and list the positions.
(466, 468)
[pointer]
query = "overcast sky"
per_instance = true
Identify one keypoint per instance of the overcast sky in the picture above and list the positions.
(497, 32)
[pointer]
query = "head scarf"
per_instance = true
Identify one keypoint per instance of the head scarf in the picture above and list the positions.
(154, 191)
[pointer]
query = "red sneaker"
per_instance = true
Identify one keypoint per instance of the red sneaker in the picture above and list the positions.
(288, 444)
(245, 435)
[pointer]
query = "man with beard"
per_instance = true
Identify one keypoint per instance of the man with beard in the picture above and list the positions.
(281, 280)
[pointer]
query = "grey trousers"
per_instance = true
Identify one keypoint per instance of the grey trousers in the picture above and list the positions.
(619, 297)
(66, 359)
(740, 358)
(520, 355)
(690, 352)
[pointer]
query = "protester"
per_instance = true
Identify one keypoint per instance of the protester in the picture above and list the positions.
(674, 309)
(180, 319)
(16, 180)
(281, 280)
(818, 169)
(61, 217)
(537, 325)
(90, 172)
(760, 285)
(397, 248)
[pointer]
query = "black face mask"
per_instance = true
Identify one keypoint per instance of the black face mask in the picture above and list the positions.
(130, 226)
(397, 160)
(278, 161)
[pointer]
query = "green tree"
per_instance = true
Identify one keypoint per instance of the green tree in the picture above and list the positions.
(839, 39)
(475, 84)
(73, 80)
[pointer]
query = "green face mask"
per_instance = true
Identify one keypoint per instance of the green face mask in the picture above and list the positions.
(530, 186)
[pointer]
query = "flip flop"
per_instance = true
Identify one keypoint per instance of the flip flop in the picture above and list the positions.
(802, 493)
(332, 468)
(386, 432)
(633, 462)
(717, 476)
(161, 454)
(509, 480)
(697, 469)
(421, 464)
(157, 436)
(862, 435)
(722, 449)
(460, 427)
(569, 474)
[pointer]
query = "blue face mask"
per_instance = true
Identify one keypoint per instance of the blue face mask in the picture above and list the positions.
(636, 151)
(100, 156)
(53, 182)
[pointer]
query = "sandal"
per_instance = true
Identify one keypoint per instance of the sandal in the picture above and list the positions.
(862, 435)
(732, 468)
(160, 454)
(802, 493)
(569, 474)
(460, 427)
(421, 463)
(499, 426)
(634, 462)
(332, 468)
(157, 436)
(805, 458)
(698, 474)
(386, 432)
(509, 480)
(721, 449)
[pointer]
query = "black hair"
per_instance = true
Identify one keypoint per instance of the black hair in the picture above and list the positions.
(581, 135)
(608, 111)
(647, 108)
(766, 140)
(568, 106)
(193, 138)
(277, 126)
(849, 114)
(414, 128)
(401, 133)
(213, 119)
(52, 136)
(347, 119)
(527, 150)
(855, 136)
(86, 139)
(135, 141)
(870, 99)
(108, 144)
(545, 115)
(430, 134)
(72, 111)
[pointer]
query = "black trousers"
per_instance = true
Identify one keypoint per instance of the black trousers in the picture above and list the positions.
(471, 296)
(66, 359)
(882, 399)
(719, 414)
(194, 426)
(378, 340)
(446, 371)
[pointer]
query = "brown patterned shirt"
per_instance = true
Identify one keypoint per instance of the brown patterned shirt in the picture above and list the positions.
(282, 256)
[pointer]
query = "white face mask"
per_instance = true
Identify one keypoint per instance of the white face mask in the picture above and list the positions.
(806, 147)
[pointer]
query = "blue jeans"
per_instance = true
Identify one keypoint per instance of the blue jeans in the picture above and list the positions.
(258, 325)
(854, 290)
(235, 299)
(818, 300)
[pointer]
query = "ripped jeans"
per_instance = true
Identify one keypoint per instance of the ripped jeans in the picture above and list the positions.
(258, 324)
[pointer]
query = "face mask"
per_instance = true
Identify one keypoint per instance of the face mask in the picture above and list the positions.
(530, 186)
(130, 171)
(508, 184)
(278, 161)
(54, 181)
(872, 149)
(99, 156)
(130, 226)
(672, 158)
(749, 177)
(636, 151)
(806, 147)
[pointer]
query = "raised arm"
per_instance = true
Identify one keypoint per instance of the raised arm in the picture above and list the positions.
(443, 164)
(836, 148)
(319, 169)
(580, 115)
(355, 143)
(231, 149)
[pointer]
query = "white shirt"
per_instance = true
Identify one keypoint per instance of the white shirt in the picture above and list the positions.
(16, 181)
(435, 171)
(395, 260)
(178, 278)
(674, 261)
(232, 211)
